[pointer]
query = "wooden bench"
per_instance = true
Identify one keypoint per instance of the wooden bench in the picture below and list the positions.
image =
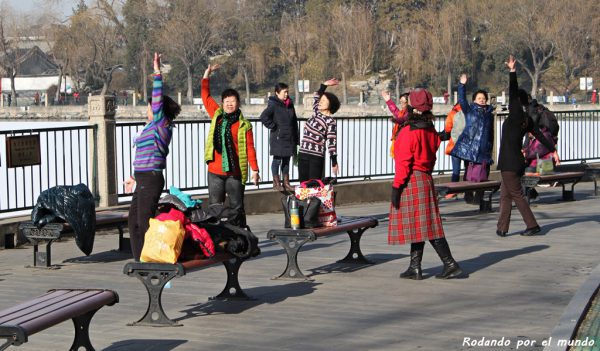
(155, 276)
(592, 172)
(563, 178)
(488, 187)
(53, 231)
(19, 322)
(292, 240)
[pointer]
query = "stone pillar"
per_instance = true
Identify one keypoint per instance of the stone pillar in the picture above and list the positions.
(179, 98)
(134, 99)
(101, 110)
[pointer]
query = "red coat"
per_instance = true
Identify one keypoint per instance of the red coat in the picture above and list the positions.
(414, 149)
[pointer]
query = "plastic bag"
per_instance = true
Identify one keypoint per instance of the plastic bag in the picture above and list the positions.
(163, 241)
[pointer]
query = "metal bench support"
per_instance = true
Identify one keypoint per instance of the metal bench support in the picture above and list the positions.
(232, 290)
(38, 236)
(292, 241)
(154, 280)
(355, 254)
(82, 332)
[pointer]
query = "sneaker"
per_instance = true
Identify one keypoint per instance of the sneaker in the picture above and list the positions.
(532, 231)
(450, 196)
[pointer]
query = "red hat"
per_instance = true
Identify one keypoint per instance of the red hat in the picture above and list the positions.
(421, 100)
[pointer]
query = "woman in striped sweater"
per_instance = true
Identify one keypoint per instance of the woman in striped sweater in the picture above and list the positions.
(152, 148)
(319, 128)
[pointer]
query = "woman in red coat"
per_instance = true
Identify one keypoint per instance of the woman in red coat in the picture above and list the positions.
(414, 213)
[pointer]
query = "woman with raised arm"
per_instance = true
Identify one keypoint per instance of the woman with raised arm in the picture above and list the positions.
(319, 130)
(228, 149)
(511, 162)
(414, 214)
(400, 115)
(151, 150)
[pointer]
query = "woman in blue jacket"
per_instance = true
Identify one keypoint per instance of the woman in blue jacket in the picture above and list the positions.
(476, 141)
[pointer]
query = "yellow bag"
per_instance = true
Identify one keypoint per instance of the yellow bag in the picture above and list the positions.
(163, 241)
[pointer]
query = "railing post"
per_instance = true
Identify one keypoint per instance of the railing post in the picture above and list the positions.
(101, 110)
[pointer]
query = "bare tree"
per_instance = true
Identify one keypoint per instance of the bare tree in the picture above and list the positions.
(189, 31)
(10, 54)
(446, 32)
(294, 43)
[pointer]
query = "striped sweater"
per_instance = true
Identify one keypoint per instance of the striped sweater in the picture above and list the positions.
(152, 144)
(318, 129)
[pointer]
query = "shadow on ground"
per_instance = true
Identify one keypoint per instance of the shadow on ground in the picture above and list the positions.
(145, 345)
(106, 256)
(345, 267)
(485, 260)
(258, 295)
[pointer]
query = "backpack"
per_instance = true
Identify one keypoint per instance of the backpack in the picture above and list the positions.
(549, 121)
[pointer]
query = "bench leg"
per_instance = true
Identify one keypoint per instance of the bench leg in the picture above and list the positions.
(568, 195)
(292, 245)
(485, 203)
(42, 259)
(82, 332)
(124, 244)
(155, 283)
(355, 254)
(232, 290)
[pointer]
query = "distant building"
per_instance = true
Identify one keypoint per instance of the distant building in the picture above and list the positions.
(37, 72)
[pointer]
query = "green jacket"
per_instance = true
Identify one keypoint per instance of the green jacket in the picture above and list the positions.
(244, 127)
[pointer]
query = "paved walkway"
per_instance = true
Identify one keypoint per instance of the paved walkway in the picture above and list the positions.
(514, 288)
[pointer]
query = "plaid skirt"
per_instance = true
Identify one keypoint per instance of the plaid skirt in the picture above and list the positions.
(418, 218)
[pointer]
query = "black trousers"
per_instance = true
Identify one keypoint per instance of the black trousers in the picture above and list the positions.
(310, 167)
(149, 186)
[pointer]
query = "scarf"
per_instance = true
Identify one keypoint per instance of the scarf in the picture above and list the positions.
(223, 140)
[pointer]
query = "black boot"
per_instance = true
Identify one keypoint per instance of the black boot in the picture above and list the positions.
(451, 267)
(414, 270)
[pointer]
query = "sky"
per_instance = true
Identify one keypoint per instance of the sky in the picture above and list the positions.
(64, 6)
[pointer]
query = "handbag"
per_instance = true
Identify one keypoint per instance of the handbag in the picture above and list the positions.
(309, 211)
(477, 172)
(163, 241)
(544, 167)
(324, 192)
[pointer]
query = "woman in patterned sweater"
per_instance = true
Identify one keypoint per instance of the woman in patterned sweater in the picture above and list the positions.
(319, 128)
(152, 148)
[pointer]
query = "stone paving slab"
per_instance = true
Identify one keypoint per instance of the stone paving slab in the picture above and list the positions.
(514, 288)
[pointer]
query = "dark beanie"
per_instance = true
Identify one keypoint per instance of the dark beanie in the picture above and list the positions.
(421, 100)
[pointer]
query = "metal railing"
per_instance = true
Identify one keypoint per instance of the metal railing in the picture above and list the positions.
(363, 153)
(66, 159)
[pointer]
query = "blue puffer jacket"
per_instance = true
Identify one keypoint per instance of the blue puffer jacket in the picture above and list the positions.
(477, 139)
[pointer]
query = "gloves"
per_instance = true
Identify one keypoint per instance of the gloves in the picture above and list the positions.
(396, 197)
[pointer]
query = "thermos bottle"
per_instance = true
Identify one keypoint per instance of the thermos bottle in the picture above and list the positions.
(295, 214)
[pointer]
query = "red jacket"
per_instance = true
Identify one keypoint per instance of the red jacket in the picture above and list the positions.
(414, 149)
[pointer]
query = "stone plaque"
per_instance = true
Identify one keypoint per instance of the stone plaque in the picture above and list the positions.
(23, 150)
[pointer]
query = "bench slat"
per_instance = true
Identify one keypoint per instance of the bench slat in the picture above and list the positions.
(62, 305)
(193, 265)
(462, 186)
(346, 225)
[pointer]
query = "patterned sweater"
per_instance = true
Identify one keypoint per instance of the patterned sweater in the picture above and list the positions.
(152, 144)
(318, 129)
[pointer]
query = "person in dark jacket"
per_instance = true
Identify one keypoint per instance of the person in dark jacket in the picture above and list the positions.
(511, 161)
(414, 214)
(280, 118)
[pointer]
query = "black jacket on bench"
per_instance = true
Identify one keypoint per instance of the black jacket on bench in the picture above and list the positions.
(511, 158)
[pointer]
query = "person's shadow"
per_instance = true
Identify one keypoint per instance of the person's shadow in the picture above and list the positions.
(145, 345)
(485, 260)
(259, 296)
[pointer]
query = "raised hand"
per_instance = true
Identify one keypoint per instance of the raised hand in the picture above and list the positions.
(157, 57)
(210, 69)
(463, 78)
(331, 82)
(511, 63)
(386, 95)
